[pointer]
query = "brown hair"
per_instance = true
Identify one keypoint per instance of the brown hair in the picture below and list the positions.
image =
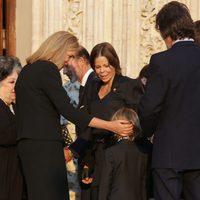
(105, 49)
(82, 52)
(54, 48)
(9, 64)
(174, 20)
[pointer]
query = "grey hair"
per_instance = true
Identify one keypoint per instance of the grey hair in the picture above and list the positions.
(9, 64)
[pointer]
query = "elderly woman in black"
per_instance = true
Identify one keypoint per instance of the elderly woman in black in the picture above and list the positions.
(10, 175)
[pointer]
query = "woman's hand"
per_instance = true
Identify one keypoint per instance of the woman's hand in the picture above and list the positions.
(87, 180)
(122, 127)
(68, 154)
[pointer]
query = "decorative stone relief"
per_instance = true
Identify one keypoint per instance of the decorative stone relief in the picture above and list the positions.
(151, 40)
(127, 24)
(73, 16)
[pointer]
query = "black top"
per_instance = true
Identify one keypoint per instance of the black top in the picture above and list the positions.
(10, 176)
(125, 92)
(41, 100)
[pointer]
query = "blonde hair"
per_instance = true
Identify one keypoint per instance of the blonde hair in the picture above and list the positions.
(129, 115)
(54, 48)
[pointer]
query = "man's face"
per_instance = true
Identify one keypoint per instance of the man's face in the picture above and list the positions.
(76, 64)
(68, 70)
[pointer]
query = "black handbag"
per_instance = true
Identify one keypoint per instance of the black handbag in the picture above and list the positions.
(66, 135)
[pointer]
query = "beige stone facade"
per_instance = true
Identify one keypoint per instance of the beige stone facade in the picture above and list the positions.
(127, 24)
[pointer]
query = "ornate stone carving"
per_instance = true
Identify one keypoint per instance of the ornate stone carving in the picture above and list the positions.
(151, 41)
(73, 17)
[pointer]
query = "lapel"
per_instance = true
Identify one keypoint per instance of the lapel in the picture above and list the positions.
(90, 79)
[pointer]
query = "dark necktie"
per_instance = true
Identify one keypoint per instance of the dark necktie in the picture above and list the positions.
(81, 92)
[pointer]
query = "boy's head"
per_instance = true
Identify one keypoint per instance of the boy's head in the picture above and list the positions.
(129, 115)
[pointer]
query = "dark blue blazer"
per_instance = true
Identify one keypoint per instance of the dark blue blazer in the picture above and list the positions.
(170, 108)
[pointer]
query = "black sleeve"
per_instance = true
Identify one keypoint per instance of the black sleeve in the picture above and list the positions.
(152, 101)
(134, 94)
(81, 144)
(52, 85)
(106, 175)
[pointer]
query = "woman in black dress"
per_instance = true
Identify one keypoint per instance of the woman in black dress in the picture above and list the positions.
(103, 99)
(10, 175)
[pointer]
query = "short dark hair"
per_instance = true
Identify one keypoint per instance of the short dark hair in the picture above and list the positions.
(8, 64)
(174, 20)
(107, 50)
(82, 52)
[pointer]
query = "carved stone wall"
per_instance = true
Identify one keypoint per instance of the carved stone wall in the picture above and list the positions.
(127, 24)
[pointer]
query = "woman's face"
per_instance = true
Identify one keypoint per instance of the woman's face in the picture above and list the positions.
(104, 70)
(7, 88)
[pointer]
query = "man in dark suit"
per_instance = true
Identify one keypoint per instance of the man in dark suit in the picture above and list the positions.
(170, 107)
(85, 74)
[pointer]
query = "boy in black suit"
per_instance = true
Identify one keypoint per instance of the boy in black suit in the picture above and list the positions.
(124, 169)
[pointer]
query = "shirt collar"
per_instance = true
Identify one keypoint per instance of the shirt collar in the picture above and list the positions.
(184, 39)
(85, 77)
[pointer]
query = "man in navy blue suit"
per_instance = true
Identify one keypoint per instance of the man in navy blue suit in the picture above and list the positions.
(170, 107)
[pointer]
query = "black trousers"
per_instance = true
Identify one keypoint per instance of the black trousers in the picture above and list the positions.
(44, 169)
(172, 184)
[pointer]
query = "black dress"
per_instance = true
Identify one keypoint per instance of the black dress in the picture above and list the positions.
(125, 92)
(10, 175)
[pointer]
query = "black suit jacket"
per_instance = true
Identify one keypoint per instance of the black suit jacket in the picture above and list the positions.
(82, 143)
(125, 92)
(92, 79)
(41, 100)
(170, 108)
(123, 172)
